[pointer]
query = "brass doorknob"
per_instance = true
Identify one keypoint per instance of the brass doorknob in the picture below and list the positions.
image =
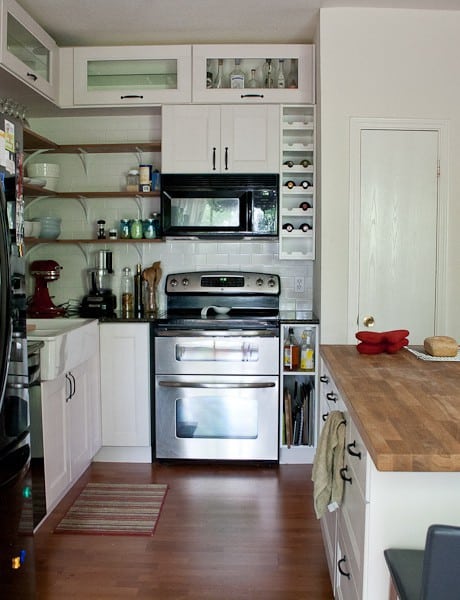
(368, 321)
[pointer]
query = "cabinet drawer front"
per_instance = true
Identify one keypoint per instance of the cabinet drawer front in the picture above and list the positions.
(352, 519)
(349, 580)
(329, 531)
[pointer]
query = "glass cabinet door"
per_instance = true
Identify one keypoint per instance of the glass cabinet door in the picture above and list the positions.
(132, 75)
(27, 51)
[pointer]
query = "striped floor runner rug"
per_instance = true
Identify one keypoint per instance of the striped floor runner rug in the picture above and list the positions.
(115, 509)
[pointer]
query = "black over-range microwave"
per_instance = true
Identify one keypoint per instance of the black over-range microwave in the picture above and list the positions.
(220, 206)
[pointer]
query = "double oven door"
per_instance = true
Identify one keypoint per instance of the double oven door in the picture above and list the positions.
(216, 395)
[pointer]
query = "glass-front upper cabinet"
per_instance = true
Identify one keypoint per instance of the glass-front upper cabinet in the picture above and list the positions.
(243, 73)
(131, 75)
(27, 51)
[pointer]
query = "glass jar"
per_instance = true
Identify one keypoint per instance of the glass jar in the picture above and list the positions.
(132, 181)
(136, 229)
(127, 293)
(149, 229)
(124, 229)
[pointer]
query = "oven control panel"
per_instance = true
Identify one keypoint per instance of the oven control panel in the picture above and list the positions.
(223, 282)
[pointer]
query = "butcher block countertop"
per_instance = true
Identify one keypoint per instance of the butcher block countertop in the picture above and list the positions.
(407, 410)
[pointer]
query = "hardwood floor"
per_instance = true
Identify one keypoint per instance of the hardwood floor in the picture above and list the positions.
(225, 533)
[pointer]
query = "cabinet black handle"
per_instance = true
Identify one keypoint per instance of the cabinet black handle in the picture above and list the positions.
(32, 76)
(226, 158)
(74, 385)
(324, 379)
(252, 95)
(339, 566)
(132, 96)
(325, 416)
(343, 472)
(70, 388)
(214, 158)
(353, 452)
(332, 396)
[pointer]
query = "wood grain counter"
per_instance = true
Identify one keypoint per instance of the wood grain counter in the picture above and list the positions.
(407, 410)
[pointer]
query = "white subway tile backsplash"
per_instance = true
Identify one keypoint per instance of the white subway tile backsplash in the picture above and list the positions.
(108, 172)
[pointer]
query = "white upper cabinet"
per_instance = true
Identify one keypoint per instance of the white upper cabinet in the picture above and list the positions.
(131, 75)
(266, 68)
(27, 51)
(220, 139)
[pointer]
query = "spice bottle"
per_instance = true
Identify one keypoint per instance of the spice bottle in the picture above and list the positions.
(291, 353)
(132, 181)
(127, 294)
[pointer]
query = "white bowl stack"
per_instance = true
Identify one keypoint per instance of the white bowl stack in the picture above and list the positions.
(48, 171)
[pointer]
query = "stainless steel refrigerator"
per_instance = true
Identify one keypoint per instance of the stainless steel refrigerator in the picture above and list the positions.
(17, 572)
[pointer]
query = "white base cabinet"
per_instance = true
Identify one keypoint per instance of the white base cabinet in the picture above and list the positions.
(380, 509)
(125, 392)
(220, 139)
(71, 427)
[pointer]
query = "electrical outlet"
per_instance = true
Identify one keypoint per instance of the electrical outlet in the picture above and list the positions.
(299, 284)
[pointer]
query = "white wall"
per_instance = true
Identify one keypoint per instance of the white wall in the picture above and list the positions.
(392, 64)
(107, 172)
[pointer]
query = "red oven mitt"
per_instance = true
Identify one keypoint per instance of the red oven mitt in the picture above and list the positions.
(370, 337)
(366, 348)
(393, 348)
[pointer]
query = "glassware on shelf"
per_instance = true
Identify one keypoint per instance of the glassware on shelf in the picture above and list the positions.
(253, 83)
(292, 78)
(219, 79)
(268, 74)
(281, 80)
(237, 76)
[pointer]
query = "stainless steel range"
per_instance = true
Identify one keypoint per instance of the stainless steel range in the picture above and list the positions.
(217, 367)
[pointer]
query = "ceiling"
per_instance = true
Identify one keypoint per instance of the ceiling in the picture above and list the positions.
(134, 22)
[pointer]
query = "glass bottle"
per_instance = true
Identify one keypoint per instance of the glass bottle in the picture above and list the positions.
(136, 229)
(268, 68)
(253, 83)
(138, 292)
(219, 79)
(127, 294)
(237, 76)
(281, 80)
(293, 74)
(291, 353)
(307, 362)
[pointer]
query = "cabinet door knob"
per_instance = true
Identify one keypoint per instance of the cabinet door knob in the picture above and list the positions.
(339, 566)
(343, 472)
(353, 452)
(369, 321)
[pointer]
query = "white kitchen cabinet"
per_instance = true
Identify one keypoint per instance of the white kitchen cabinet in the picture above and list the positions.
(130, 75)
(380, 509)
(70, 425)
(220, 139)
(298, 401)
(297, 183)
(27, 51)
(125, 392)
(297, 61)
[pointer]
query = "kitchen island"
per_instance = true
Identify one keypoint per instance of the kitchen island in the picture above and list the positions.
(402, 460)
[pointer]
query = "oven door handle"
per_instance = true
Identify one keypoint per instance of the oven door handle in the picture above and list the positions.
(194, 384)
(217, 333)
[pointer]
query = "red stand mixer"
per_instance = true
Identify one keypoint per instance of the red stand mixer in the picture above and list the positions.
(42, 305)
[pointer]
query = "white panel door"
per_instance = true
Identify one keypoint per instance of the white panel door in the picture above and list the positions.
(398, 231)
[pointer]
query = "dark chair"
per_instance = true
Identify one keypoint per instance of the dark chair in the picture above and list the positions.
(430, 574)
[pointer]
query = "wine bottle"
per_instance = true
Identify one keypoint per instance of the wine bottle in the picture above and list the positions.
(305, 163)
(237, 76)
(281, 81)
(289, 163)
(304, 205)
(138, 295)
(268, 83)
(305, 227)
(305, 184)
(290, 184)
(288, 226)
(253, 83)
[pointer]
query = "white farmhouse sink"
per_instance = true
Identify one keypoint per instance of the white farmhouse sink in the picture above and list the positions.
(67, 343)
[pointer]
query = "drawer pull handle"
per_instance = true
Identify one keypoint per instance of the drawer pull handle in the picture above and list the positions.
(128, 96)
(343, 472)
(332, 396)
(341, 571)
(353, 452)
(32, 76)
(324, 379)
(325, 416)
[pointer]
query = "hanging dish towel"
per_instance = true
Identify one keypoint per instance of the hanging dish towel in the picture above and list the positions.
(328, 484)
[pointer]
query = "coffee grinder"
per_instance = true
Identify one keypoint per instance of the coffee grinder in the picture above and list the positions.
(41, 305)
(101, 301)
